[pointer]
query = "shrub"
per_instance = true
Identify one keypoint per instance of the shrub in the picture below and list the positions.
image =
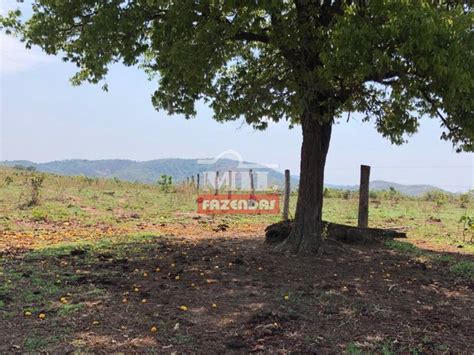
(468, 224)
(39, 215)
(439, 197)
(36, 183)
(464, 269)
(8, 180)
(346, 194)
(165, 183)
(465, 199)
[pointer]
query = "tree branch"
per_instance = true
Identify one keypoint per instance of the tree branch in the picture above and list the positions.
(251, 37)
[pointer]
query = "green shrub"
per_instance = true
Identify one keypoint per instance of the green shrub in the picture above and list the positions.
(39, 215)
(439, 197)
(165, 183)
(463, 269)
(465, 199)
(8, 180)
(36, 184)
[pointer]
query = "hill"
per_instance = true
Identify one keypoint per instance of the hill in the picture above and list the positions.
(380, 185)
(150, 171)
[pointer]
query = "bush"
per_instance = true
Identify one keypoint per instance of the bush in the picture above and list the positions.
(439, 197)
(39, 215)
(464, 269)
(8, 180)
(465, 199)
(468, 225)
(346, 194)
(165, 183)
(36, 183)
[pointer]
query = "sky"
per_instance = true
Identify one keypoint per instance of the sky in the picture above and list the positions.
(44, 118)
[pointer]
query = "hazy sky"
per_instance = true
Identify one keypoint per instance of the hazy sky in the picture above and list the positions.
(44, 118)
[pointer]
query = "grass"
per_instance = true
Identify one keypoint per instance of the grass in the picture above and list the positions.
(463, 268)
(39, 343)
(68, 309)
(89, 209)
(86, 245)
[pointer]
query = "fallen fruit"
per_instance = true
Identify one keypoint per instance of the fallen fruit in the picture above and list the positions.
(286, 297)
(42, 316)
(214, 305)
(96, 322)
(176, 277)
(183, 308)
(27, 313)
(63, 300)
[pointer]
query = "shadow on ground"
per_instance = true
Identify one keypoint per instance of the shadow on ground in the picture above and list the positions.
(215, 295)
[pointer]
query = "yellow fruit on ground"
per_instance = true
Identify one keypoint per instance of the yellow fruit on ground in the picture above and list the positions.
(144, 300)
(157, 269)
(27, 313)
(63, 300)
(136, 289)
(153, 329)
(286, 297)
(145, 274)
(124, 300)
(214, 305)
(42, 316)
(96, 322)
(177, 277)
(183, 308)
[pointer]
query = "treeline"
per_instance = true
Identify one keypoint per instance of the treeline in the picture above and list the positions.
(439, 197)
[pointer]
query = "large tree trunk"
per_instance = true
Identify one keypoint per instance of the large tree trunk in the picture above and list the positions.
(306, 234)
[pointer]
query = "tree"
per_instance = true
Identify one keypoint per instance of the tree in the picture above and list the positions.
(305, 61)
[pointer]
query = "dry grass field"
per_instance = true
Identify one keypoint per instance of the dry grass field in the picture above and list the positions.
(107, 265)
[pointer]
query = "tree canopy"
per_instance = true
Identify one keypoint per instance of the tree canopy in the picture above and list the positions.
(393, 61)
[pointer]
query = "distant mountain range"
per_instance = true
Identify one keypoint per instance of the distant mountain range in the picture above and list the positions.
(180, 169)
(379, 185)
(151, 171)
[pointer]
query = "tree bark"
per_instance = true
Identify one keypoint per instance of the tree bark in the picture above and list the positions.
(306, 233)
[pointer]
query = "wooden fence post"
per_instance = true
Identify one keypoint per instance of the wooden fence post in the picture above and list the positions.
(286, 197)
(192, 180)
(187, 180)
(252, 187)
(363, 221)
(216, 184)
(197, 182)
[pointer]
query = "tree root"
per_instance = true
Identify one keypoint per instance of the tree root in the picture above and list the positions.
(337, 233)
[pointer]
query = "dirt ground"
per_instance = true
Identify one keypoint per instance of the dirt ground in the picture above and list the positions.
(233, 294)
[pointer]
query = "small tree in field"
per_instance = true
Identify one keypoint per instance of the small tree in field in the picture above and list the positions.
(165, 183)
(305, 61)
